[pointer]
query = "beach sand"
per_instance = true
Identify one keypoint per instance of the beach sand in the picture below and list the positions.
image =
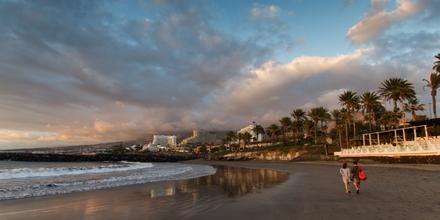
(299, 191)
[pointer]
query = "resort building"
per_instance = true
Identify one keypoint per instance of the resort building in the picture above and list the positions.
(251, 130)
(161, 142)
(205, 137)
(165, 140)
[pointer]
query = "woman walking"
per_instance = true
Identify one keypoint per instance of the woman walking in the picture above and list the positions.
(355, 176)
(345, 173)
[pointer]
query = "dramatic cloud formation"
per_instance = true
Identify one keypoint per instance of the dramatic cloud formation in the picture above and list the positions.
(275, 76)
(64, 64)
(74, 72)
(379, 19)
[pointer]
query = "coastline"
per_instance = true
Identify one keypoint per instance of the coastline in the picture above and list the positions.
(100, 157)
(313, 190)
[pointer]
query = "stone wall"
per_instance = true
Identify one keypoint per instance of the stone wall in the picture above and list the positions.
(263, 155)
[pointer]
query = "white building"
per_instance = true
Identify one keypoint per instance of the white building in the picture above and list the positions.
(153, 148)
(205, 137)
(165, 140)
(161, 142)
(251, 130)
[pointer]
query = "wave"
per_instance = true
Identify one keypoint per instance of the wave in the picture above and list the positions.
(158, 172)
(19, 173)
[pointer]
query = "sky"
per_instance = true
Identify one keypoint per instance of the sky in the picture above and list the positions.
(79, 72)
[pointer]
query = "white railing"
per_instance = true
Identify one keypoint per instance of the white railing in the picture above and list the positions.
(405, 143)
(418, 147)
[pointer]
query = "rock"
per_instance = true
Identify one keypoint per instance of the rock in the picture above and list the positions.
(133, 157)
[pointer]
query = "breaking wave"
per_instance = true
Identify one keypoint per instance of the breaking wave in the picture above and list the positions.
(42, 181)
(19, 173)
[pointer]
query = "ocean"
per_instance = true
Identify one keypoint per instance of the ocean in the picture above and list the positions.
(30, 179)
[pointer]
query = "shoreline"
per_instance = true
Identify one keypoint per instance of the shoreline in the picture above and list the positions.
(100, 157)
(313, 190)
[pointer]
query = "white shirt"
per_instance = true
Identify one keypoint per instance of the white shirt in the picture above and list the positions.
(345, 172)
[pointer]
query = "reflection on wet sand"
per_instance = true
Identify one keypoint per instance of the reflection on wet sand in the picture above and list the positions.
(233, 180)
(165, 200)
(239, 181)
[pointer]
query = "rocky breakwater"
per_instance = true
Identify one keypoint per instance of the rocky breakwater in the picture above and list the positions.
(264, 155)
(132, 157)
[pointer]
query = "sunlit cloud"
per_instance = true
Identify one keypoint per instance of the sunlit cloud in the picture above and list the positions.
(379, 19)
(77, 72)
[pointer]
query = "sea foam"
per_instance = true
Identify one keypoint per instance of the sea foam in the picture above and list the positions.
(30, 182)
(19, 173)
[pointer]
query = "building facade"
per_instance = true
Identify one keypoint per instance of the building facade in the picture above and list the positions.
(251, 130)
(206, 137)
(165, 140)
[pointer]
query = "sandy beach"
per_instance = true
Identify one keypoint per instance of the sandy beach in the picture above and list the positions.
(252, 190)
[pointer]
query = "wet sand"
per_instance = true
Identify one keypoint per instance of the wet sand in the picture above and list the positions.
(299, 191)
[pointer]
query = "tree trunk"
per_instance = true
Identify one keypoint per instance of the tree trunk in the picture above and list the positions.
(354, 128)
(370, 121)
(434, 103)
(316, 132)
(414, 115)
(346, 134)
(395, 105)
(296, 134)
(340, 138)
(284, 136)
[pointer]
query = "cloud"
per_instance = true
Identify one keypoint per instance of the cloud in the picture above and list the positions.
(330, 98)
(311, 81)
(74, 72)
(103, 127)
(265, 12)
(271, 77)
(93, 64)
(304, 82)
(269, 28)
(378, 20)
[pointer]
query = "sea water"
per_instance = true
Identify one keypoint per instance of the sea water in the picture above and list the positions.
(29, 179)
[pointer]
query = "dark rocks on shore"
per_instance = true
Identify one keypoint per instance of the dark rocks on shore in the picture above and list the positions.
(138, 157)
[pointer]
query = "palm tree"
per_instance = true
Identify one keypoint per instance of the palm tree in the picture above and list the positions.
(314, 115)
(231, 136)
(436, 66)
(434, 84)
(299, 116)
(397, 90)
(258, 129)
(369, 100)
(308, 125)
(346, 118)
(273, 131)
(378, 111)
(286, 123)
(319, 114)
(339, 120)
(390, 119)
(246, 137)
(350, 100)
(412, 106)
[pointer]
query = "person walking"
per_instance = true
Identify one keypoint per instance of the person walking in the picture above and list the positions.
(355, 176)
(345, 173)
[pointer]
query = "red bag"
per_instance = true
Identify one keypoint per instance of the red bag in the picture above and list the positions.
(362, 175)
